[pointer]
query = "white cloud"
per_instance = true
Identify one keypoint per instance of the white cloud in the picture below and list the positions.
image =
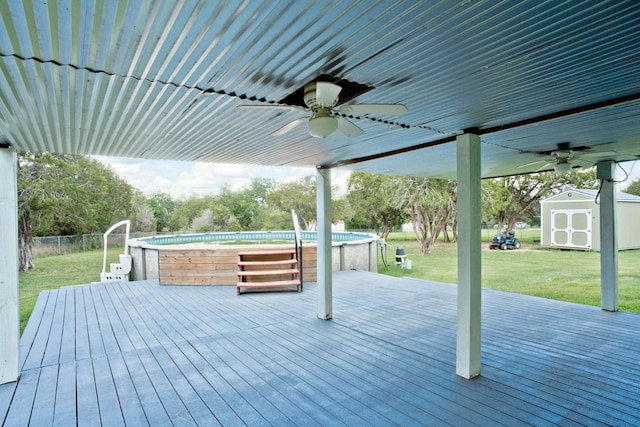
(183, 179)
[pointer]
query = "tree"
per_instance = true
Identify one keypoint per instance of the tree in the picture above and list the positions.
(340, 209)
(247, 204)
(450, 213)
(65, 195)
(216, 218)
(372, 196)
(162, 205)
(142, 218)
(299, 195)
(186, 211)
(509, 199)
(496, 200)
(633, 188)
(430, 203)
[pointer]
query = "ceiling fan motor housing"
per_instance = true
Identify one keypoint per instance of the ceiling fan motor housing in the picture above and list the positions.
(562, 154)
(311, 100)
(321, 97)
(310, 96)
(321, 124)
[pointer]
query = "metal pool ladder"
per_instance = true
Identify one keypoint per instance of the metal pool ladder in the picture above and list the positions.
(118, 272)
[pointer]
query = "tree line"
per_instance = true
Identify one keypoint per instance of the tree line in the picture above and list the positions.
(74, 195)
(429, 204)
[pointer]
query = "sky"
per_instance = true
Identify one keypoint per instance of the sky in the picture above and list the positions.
(183, 179)
(630, 168)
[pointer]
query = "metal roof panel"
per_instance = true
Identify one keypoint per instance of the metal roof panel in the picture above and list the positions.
(163, 79)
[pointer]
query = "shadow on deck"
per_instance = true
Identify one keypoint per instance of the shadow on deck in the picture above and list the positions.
(142, 354)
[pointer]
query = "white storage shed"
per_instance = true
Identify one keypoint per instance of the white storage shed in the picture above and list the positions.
(571, 220)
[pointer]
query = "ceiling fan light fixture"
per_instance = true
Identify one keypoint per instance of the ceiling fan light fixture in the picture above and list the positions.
(321, 98)
(323, 127)
(562, 167)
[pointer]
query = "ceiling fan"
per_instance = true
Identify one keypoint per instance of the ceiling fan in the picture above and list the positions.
(565, 158)
(321, 98)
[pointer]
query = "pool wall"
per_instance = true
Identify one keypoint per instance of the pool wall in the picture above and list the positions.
(193, 260)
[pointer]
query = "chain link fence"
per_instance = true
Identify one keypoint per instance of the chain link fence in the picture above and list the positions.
(58, 245)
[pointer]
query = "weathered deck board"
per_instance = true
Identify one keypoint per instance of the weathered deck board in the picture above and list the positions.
(38, 345)
(138, 353)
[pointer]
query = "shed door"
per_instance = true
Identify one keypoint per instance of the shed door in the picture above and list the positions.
(571, 228)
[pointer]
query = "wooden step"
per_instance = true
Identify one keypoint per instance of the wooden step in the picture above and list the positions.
(253, 273)
(270, 285)
(268, 269)
(268, 252)
(267, 263)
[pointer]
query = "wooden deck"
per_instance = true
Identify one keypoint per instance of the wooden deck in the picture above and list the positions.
(142, 354)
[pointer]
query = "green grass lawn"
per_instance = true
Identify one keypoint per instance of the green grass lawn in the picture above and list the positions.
(564, 275)
(550, 273)
(60, 270)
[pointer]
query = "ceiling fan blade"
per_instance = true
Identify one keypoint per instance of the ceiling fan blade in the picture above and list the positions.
(327, 94)
(582, 163)
(348, 128)
(546, 165)
(596, 154)
(275, 106)
(562, 154)
(376, 109)
(531, 163)
(286, 128)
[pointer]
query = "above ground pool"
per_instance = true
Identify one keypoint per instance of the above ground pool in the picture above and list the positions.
(212, 258)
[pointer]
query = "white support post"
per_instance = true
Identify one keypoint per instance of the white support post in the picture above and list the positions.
(608, 236)
(323, 205)
(469, 256)
(9, 301)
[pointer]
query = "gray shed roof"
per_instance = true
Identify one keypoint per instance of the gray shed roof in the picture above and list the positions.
(162, 79)
(621, 196)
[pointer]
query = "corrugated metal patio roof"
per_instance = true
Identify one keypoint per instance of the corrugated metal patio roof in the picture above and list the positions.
(162, 79)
